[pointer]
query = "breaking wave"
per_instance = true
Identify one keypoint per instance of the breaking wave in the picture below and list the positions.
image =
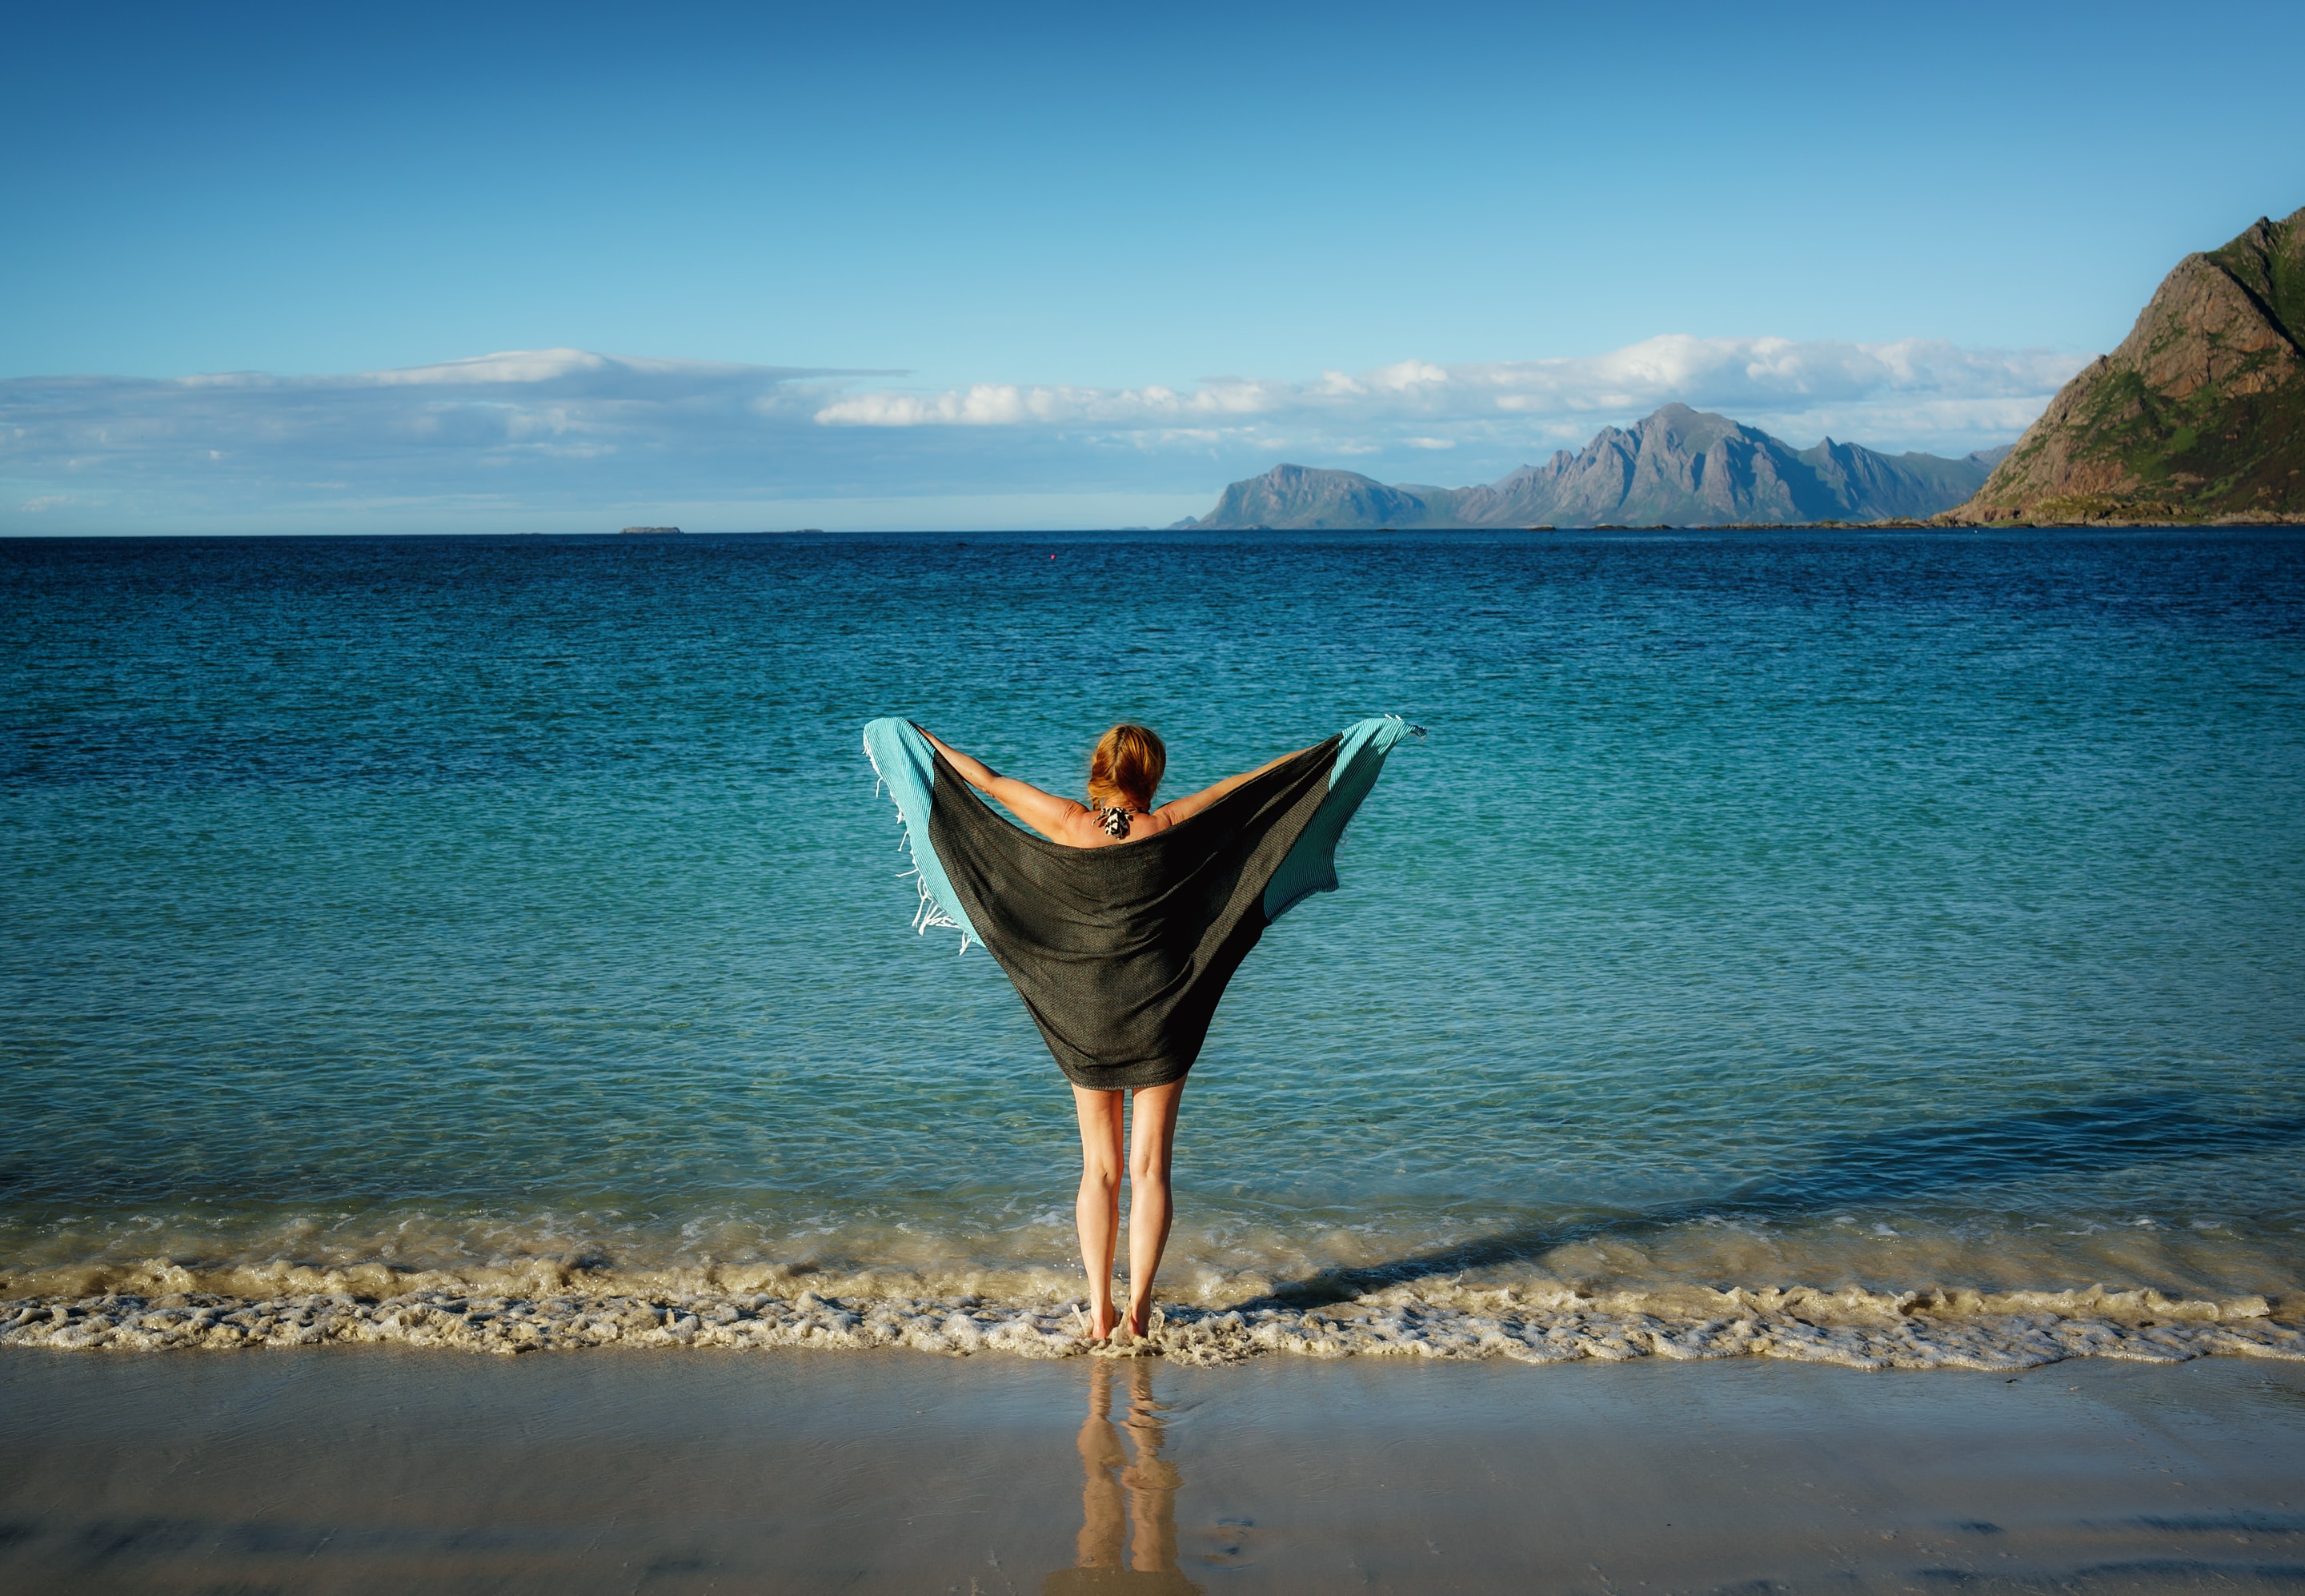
(540, 1305)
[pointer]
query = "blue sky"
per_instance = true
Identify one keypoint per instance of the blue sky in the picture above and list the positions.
(940, 267)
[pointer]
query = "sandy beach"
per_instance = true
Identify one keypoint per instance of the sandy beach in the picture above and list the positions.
(388, 1469)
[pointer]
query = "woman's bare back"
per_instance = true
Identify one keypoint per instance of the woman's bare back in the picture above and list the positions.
(1087, 827)
(1076, 825)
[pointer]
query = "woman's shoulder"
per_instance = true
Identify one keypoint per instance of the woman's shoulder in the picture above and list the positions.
(1077, 828)
(1144, 823)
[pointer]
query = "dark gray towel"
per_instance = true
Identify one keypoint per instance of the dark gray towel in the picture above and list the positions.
(1121, 953)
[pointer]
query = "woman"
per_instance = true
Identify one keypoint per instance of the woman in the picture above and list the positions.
(1121, 929)
(1123, 773)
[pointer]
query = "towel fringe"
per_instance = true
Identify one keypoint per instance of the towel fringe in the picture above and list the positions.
(930, 914)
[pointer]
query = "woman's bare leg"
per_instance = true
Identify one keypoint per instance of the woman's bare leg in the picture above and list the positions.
(1097, 1210)
(1149, 1145)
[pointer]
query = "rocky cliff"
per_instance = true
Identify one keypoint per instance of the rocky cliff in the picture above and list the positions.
(2200, 413)
(1678, 467)
(1297, 496)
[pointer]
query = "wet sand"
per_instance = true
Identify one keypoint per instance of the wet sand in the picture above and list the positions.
(392, 1470)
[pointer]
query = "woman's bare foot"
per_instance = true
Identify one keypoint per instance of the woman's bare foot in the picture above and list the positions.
(1139, 1322)
(1101, 1318)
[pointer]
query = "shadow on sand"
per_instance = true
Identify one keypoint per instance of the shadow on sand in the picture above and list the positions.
(2117, 1133)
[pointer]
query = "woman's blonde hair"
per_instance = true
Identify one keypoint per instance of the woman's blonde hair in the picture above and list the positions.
(1127, 766)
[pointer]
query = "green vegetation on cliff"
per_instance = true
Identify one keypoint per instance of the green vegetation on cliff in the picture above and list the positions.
(2200, 413)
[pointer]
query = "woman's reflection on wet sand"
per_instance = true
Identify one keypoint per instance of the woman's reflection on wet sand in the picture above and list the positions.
(1148, 1565)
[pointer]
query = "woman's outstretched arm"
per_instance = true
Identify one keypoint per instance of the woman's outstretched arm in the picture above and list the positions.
(1186, 807)
(1044, 812)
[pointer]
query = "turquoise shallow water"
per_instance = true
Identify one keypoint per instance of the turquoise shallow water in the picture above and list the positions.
(1895, 911)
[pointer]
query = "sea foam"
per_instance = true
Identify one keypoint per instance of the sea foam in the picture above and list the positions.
(1858, 1329)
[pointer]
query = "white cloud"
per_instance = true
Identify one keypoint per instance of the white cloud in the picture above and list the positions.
(1744, 377)
(546, 430)
(1409, 377)
(995, 405)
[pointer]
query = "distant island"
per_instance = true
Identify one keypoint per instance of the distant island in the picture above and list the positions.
(1677, 467)
(650, 531)
(2200, 414)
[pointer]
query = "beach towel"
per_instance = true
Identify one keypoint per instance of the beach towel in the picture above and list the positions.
(1121, 954)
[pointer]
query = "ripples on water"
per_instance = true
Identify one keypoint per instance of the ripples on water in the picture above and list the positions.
(1895, 911)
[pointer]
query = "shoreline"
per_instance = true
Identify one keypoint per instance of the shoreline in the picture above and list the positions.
(1854, 1330)
(385, 1470)
(2028, 523)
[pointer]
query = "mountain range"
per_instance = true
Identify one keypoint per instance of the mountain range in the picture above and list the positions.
(2200, 413)
(1676, 467)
